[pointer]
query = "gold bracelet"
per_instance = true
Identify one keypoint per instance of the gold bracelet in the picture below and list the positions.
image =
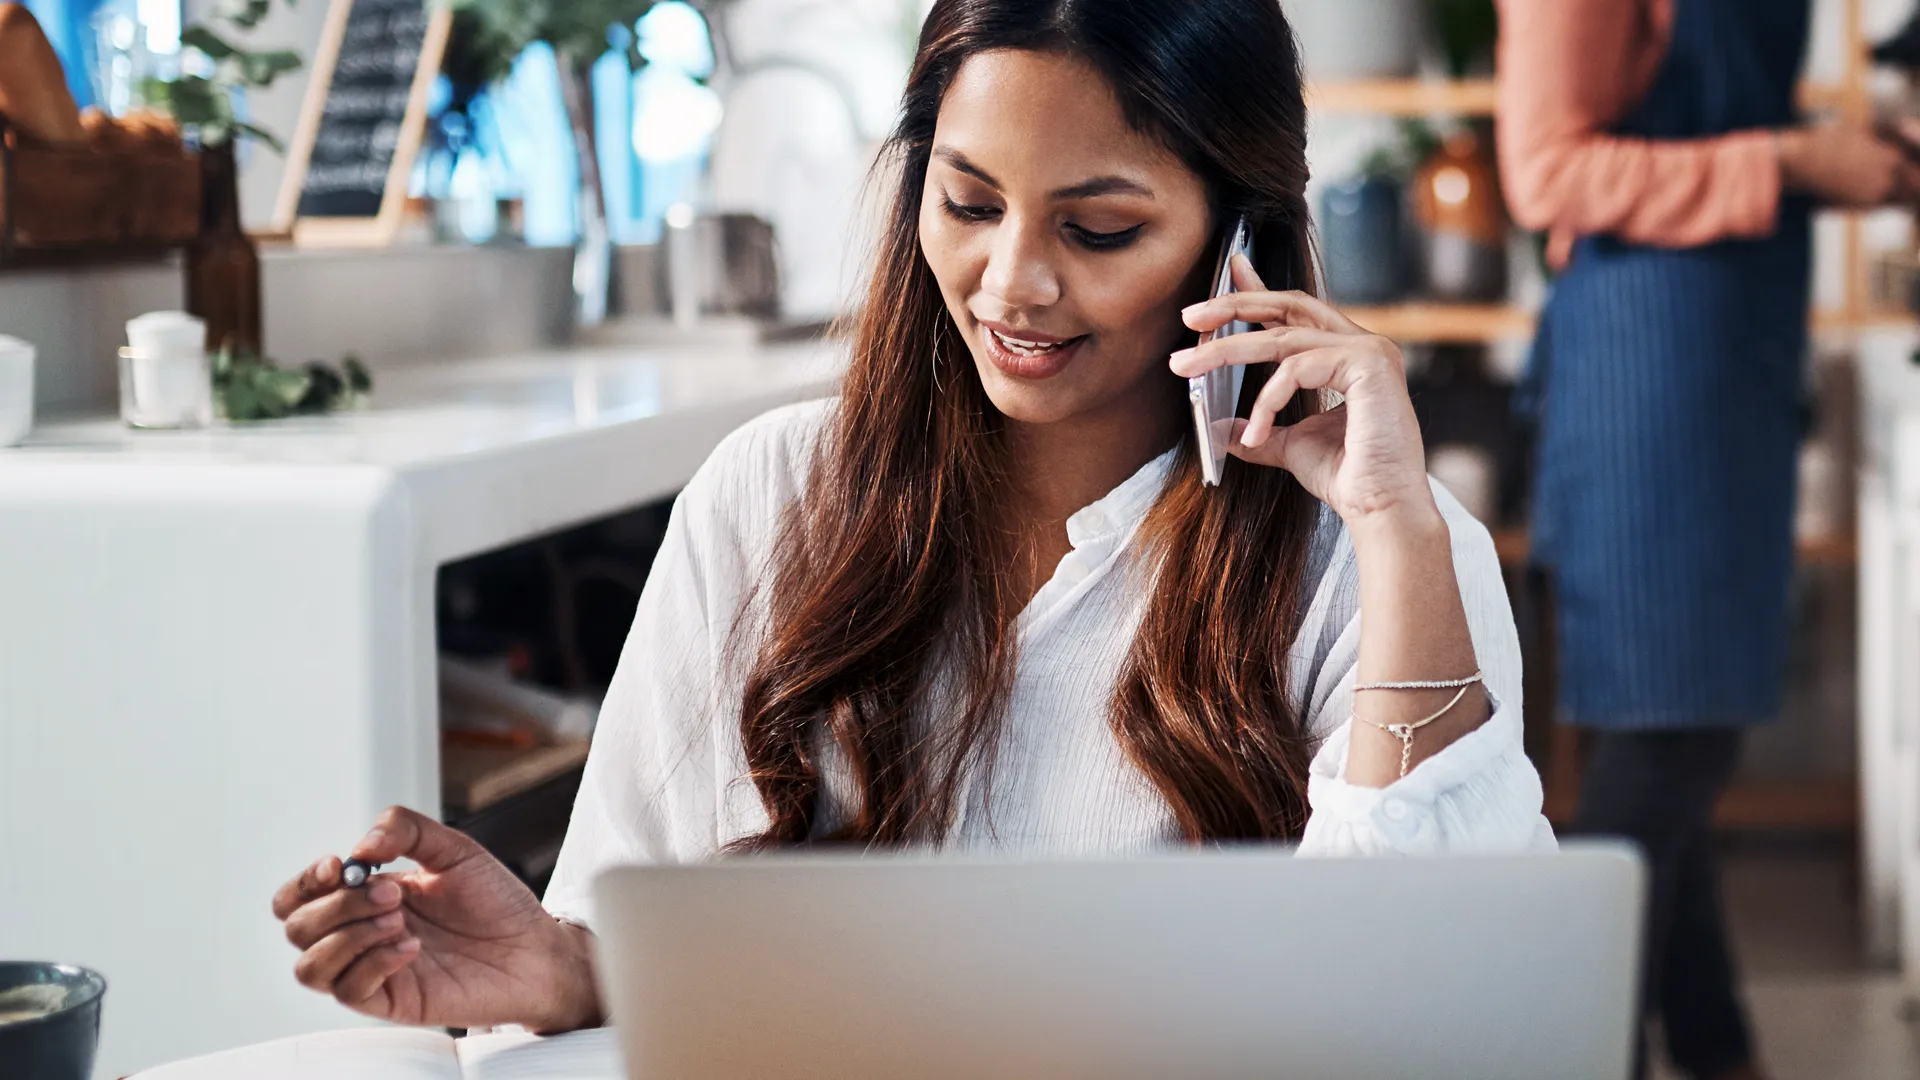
(1404, 732)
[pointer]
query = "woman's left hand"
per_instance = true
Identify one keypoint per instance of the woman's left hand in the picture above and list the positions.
(1363, 458)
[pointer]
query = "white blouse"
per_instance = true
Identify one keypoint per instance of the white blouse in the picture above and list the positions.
(666, 778)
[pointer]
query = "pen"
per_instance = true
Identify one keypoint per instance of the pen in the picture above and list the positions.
(354, 873)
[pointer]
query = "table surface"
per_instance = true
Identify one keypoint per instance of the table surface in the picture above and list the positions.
(427, 415)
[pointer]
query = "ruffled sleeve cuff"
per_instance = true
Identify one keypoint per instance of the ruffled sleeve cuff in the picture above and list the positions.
(1480, 794)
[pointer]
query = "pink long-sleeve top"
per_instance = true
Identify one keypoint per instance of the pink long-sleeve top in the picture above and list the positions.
(1569, 69)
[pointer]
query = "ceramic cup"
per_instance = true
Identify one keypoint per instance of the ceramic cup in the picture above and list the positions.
(1363, 240)
(16, 389)
(49, 1020)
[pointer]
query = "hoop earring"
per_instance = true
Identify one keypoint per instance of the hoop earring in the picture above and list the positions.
(940, 331)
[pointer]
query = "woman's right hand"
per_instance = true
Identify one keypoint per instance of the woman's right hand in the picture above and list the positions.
(460, 942)
(1848, 164)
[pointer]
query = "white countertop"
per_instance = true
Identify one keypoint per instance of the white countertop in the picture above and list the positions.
(428, 414)
(489, 450)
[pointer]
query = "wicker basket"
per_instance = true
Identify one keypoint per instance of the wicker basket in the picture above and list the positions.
(78, 202)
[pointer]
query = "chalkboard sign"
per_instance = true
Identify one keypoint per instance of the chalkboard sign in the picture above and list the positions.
(365, 114)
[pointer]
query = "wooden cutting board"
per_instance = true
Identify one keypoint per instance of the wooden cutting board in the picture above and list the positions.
(475, 777)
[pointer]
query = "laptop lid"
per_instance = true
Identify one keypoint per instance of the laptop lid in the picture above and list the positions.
(1208, 964)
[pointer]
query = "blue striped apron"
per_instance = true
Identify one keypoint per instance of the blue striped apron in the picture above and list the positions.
(1666, 384)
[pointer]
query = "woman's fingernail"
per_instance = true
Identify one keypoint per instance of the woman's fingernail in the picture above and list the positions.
(390, 921)
(411, 944)
(1191, 308)
(1180, 357)
(373, 840)
(384, 892)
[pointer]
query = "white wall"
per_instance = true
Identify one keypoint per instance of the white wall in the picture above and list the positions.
(276, 109)
(390, 307)
(820, 89)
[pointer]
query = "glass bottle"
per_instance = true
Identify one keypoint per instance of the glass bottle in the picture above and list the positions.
(1456, 201)
(223, 266)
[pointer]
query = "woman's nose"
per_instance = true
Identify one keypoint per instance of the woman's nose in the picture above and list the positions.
(1018, 271)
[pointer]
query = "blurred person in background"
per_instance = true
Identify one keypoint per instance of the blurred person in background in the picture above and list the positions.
(1657, 143)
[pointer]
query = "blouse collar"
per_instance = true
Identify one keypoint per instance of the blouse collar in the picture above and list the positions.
(1120, 510)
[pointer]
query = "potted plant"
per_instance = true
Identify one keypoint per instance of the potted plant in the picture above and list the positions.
(223, 266)
(489, 35)
(1466, 31)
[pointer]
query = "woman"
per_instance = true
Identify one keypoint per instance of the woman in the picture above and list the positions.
(1657, 141)
(983, 600)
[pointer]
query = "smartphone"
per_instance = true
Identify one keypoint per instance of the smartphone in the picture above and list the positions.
(1216, 395)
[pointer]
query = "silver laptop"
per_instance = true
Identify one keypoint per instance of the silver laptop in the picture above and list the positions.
(1204, 965)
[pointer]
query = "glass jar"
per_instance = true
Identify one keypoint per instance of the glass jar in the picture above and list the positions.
(165, 390)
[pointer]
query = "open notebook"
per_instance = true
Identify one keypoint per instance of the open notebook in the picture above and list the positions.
(409, 1054)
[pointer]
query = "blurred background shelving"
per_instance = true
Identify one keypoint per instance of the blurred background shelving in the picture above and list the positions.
(1467, 346)
(1405, 97)
(1422, 321)
(1472, 96)
(1435, 321)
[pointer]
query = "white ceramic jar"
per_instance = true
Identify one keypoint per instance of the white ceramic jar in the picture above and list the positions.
(165, 378)
(1357, 39)
(16, 389)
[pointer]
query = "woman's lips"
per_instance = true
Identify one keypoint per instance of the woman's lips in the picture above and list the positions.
(1027, 358)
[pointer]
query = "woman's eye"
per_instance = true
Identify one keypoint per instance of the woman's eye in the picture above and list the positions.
(964, 212)
(1103, 241)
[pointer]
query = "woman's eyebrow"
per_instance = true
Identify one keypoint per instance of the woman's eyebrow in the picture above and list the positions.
(1085, 189)
(1104, 185)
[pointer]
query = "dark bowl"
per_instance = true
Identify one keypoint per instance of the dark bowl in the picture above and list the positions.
(57, 1040)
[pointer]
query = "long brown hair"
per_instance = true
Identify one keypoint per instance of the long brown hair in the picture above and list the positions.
(888, 585)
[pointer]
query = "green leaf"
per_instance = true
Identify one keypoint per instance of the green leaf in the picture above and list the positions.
(359, 380)
(285, 387)
(157, 92)
(269, 138)
(249, 387)
(194, 100)
(261, 68)
(576, 29)
(247, 14)
(240, 401)
(202, 37)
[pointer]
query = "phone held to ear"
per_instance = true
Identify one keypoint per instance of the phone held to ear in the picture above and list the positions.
(1216, 395)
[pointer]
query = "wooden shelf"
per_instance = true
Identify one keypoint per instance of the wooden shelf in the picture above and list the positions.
(1512, 546)
(1842, 551)
(472, 778)
(1816, 96)
(1757, 803)
(1827, 321)
(1422, 321)
(1471, 97)
(1404, 97)
(1427, 321)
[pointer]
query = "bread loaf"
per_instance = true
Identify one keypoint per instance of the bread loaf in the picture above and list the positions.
(156, 130)
(33, 89)
(105, 135)
(142, 131)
